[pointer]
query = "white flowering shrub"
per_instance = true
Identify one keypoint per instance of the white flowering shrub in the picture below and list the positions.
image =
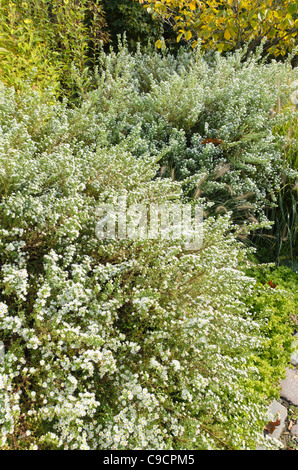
(120, 344)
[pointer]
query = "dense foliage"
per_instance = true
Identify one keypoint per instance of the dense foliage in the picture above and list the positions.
(130, 18)
(229, 137)
(41, 40)
(228, 25)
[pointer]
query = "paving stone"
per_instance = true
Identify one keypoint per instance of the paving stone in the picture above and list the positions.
(294, 431)
(276, 408)
(294, 357)
(289, 386)
(1, 352)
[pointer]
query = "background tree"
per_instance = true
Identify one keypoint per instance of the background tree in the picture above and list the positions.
(126, 16)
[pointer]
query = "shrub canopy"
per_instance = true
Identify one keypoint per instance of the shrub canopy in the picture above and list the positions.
(121, 344)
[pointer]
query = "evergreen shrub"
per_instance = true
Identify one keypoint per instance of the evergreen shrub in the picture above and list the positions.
(120, 344)
(216, 122)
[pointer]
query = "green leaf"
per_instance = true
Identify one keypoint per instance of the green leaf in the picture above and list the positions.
(292, 8)
(188, 35)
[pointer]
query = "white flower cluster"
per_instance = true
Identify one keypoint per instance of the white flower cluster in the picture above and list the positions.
(125, 344)
(9, 407)
(15, 281)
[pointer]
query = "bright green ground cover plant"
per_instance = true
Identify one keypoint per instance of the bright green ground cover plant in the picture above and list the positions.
(275, 298)
(123, 344)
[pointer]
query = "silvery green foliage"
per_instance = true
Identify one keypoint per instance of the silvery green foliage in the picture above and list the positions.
(173, 104)
(122, 344)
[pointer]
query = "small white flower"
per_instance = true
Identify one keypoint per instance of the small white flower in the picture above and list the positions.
(176, 364)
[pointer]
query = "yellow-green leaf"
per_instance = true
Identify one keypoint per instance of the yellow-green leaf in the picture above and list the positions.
(188, 35)
(192, 5)
(221, 24)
